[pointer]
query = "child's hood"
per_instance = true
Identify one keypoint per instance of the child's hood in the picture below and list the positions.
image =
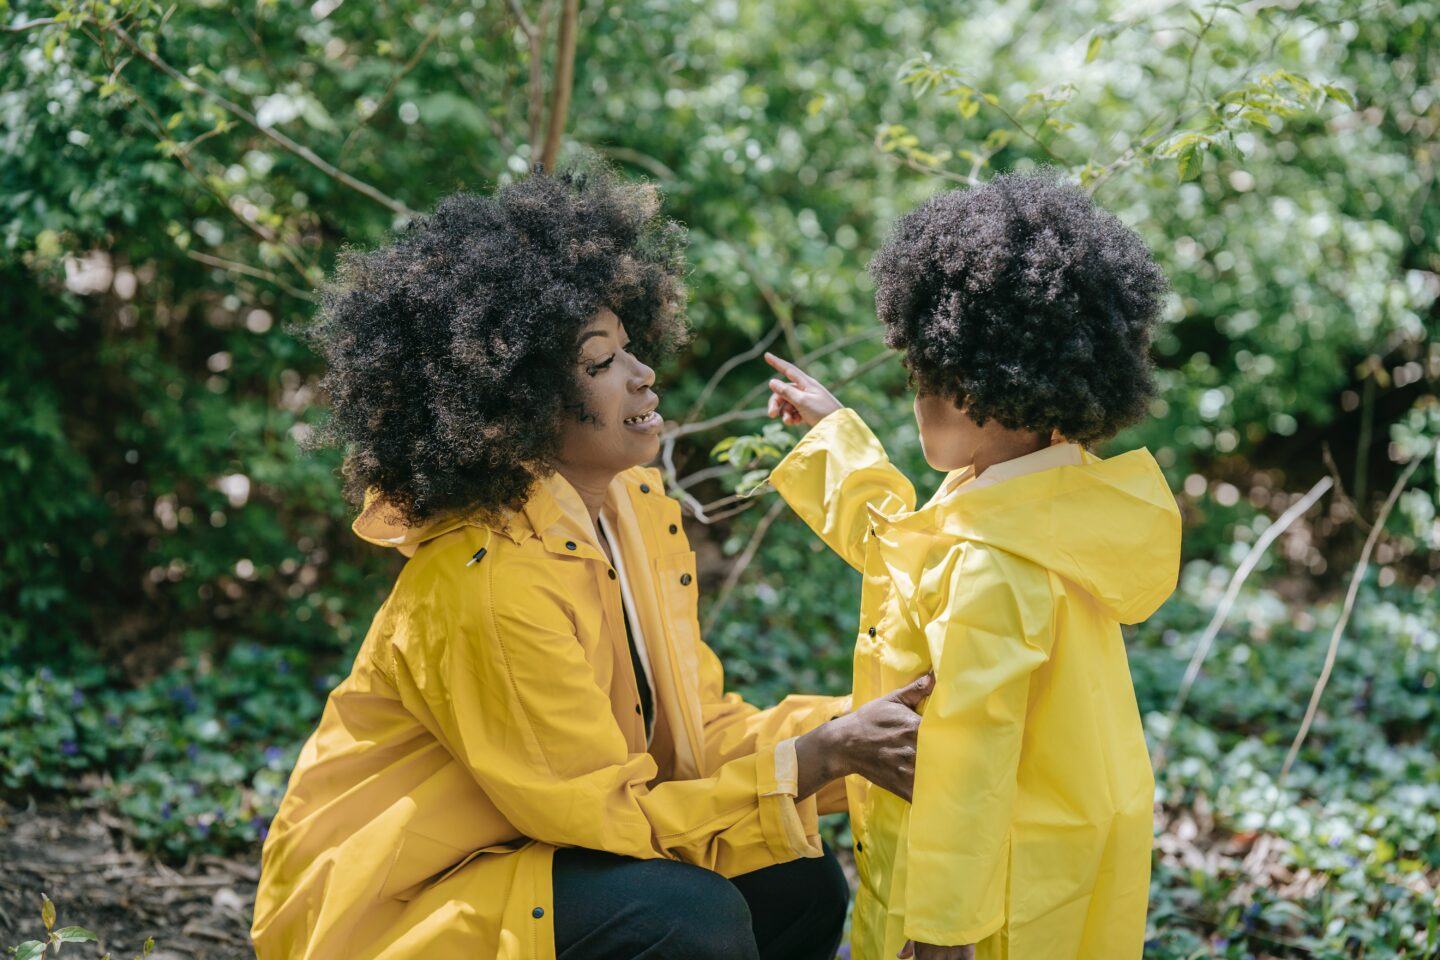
(1109, 526)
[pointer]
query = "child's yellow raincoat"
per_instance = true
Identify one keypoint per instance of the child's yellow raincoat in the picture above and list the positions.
(493, 714)
(1031, 824)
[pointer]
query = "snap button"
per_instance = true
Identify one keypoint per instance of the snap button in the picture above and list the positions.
(644, 488)
(859, 848)
(637, 708)
(674, 529)
(612, 574)
(685, 579)
(569, 544)
(538, 912)
(872, 631)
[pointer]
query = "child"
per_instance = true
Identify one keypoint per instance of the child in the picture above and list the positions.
(1023, 313)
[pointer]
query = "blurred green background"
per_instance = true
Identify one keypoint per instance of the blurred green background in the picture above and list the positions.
(180, 587)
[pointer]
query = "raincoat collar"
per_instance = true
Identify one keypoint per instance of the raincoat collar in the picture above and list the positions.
(1109, 525)
(553, 506)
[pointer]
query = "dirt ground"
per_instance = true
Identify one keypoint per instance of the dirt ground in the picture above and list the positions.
(83, 861)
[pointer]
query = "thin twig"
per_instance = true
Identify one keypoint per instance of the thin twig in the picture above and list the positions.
(30, 25)
(249, 271)
(1340, 486)
(389, 94)
(1346, 609)
(289, 145)
(742, 562)
(760, 347)
(1232, 592)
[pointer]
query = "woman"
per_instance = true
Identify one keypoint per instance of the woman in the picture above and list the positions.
(533, 756)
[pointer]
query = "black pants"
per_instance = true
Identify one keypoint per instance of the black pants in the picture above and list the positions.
(609, 907)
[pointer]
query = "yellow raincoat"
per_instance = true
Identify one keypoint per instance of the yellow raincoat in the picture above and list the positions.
(492, 715)
(1031, 824)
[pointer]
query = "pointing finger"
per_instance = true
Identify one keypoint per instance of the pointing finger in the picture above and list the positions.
(787, 368)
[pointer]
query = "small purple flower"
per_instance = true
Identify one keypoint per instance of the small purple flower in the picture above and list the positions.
(192, 751)
(204, 829)
(1334, 842)
(165, 810)
(46, 675)
(282, 668)
(260, 827)
(273, 754)
(76, 698)
(69, 748)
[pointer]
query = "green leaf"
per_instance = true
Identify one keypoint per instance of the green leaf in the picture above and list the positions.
(1188, 162)
(1337, 92)
(74, 935)
(1093, 51)
(47, 912)
(30, 950)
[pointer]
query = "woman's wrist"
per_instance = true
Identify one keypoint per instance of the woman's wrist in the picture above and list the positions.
(820, 757)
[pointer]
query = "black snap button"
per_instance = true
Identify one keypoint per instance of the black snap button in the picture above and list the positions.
(859, 848)
(612, 574)
(872, 631)
(569, 544)
(637, 708)
(644, 488)
(538, 912)
(685, 579)
(674, 529)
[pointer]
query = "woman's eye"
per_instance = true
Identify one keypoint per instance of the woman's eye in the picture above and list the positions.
(595, 368)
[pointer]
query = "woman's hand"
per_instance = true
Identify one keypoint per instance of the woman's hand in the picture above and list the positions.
(928, 951)
(803, 400)
(876, 741)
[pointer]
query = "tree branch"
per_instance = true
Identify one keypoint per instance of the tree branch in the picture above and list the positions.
(1346, 609)
(249, 271)
(389, 94)
(564, 81)
(229, 106)
(1232, 591)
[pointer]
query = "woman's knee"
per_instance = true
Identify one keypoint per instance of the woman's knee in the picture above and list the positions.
(651, 909)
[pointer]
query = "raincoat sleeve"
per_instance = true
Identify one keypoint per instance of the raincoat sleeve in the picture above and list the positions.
(492, 667)
(986, 646)
(734, 728)
(832, 478)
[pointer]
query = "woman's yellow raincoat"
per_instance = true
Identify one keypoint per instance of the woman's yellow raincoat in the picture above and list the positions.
(1031, 824)
(492, 715)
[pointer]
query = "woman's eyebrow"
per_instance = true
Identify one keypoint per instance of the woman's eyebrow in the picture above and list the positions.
(592, 333)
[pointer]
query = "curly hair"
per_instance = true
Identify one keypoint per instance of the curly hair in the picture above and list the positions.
(451, 351)
(1023, 301)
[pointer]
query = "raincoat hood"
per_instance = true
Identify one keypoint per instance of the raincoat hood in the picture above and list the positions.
(1111, 527)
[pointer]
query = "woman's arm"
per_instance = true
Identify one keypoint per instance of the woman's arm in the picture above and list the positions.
(838, 471)
(491, 665)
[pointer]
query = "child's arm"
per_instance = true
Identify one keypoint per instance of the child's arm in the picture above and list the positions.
(985, 645)
(838, 470)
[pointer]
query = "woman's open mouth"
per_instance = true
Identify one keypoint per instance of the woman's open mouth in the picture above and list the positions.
(650, 422)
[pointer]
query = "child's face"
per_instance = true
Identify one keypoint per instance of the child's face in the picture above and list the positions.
(948, 437)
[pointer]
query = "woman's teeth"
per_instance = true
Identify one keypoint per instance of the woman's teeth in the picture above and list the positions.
(644, 419)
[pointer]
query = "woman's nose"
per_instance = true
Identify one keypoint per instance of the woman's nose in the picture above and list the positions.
(642, 378)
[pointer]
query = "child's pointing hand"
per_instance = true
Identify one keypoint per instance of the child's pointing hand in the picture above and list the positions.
(803, 400)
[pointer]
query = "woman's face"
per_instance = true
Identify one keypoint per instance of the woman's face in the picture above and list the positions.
(622, 424)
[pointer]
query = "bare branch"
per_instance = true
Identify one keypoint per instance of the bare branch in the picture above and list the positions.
(1232, 591)
(30, 25)
(289, 145)
(760, 347)
(535, 113)
(642, 160)
(521, 17)
(1355, 580)
(742, 562)
(249, 271)
(564, 82)
(389, 94)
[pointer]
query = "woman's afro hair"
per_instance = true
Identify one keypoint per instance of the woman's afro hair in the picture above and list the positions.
(1023, 301)
(452, 350)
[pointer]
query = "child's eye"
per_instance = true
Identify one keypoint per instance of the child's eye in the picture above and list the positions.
(595, 368)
